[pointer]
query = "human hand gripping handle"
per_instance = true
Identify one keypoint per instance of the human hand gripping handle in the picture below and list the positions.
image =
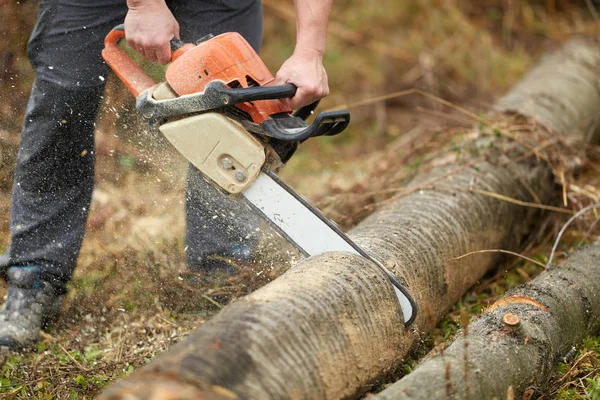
(149, 28)
(304, 69)
(130, 73)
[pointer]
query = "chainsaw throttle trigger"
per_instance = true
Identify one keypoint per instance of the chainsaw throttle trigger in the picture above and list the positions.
(307, 110)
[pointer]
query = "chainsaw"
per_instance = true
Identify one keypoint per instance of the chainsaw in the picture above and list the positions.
(217, 109)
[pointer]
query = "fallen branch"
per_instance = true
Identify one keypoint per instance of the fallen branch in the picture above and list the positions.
(518, 341)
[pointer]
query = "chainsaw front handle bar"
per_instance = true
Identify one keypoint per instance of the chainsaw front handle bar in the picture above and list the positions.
(243, 95)
(134, 78)
(216, 95)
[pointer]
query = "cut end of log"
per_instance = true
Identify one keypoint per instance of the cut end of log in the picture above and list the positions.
(528, 394)
(506, 301)
(511, 319)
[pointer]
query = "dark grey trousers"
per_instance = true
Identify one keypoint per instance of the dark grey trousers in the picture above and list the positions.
(54, 175)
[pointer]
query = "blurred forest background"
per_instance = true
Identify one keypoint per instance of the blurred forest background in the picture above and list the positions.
(131, 298)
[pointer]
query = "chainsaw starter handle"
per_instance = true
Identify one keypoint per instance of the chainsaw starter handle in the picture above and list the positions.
(307, 110)
(125, 68)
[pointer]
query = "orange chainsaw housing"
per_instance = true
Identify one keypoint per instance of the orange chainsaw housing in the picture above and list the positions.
(227, 57)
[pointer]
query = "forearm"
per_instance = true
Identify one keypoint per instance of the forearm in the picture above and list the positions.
(311, 25)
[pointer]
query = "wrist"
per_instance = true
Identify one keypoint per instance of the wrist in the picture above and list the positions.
(137, 4)
(309, 52)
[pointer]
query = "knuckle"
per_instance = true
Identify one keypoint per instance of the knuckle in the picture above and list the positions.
(144, 43)
(133, 42)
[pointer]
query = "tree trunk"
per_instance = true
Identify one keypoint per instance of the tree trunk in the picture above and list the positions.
(331, 325)
(544, 319)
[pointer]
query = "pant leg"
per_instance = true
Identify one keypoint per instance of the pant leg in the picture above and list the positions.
(197, 19)
(216, 223)
(54, 174)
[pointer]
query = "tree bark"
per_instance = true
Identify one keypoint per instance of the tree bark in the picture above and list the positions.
(331, 325)
(555, 311)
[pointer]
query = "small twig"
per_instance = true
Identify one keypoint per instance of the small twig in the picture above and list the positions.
(564, 228)
(212, 301)
(581, 358)
(592, 226)
(442, 114)
(536, 151)
(563, 184)
(167, 321)
(510, 199)
(372, 100)
(499, 251)
(47, 337)
(72, 358)
(592, 9)
(523, 274)
(414, 91)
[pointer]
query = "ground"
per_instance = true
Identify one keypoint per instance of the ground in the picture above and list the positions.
(132, 296)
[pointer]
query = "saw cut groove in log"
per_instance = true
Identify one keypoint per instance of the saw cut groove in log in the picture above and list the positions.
(523, 356)
(331, 325)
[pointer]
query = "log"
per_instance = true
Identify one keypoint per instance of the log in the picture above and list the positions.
(516, 344)
(331, 325)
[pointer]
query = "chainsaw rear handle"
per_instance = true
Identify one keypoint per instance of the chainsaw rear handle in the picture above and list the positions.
(134, 78)
(294, 129)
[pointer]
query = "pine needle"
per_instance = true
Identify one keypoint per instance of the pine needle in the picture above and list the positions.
(564, 228)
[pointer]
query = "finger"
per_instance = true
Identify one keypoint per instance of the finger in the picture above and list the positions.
(325, 90)
(149, 53)
(133, 44)
(278, 81)
(176, 32)
(163, 53)
(325, 86)
(302, 98)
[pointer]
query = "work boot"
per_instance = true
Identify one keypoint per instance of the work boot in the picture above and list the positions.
(30, 305)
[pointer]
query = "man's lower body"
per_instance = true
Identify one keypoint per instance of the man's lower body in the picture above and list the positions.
(54, 175)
